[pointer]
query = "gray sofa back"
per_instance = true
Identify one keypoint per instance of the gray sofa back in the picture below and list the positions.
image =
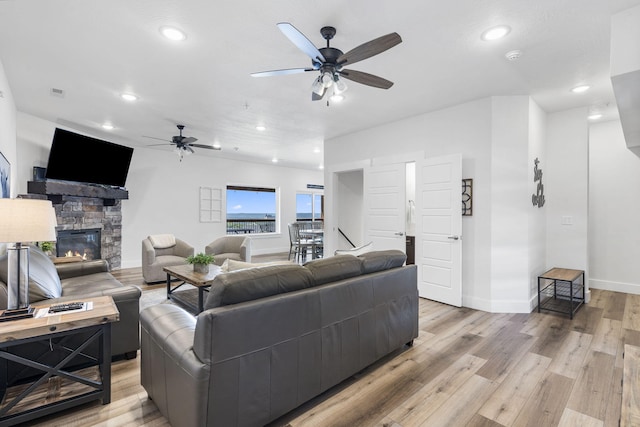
(250, 362)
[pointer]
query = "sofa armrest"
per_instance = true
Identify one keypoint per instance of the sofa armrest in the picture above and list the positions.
(170, 372)
(82, 268)
(215, 247)
(148, 253)
(245, 250)
(183, 249)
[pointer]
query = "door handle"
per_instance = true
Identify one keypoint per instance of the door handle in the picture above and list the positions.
(399, 233)
(453, 237)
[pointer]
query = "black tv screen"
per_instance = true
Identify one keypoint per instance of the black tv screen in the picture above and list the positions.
(79, 158)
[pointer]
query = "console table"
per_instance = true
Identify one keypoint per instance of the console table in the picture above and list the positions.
(561, 290)
(19, 406)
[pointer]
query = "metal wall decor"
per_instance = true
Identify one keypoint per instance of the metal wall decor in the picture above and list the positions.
(538, 197)
(467, 199)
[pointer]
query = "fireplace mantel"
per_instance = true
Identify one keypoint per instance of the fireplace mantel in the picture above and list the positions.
(54, 190)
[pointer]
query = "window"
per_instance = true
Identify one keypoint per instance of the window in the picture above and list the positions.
(309, 207)
(251, 210)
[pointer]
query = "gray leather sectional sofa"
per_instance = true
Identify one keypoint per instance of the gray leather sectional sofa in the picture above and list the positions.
(77, 281)
(273, 337)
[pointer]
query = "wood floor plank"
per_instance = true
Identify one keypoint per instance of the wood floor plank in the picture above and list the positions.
(630, 412)
(550, 343)
(587, 319)
(631, 318)
(505, 404)
(614, 400)
(575, 419)
(614, 305)
(459, 412)
(570, 358)
(448, 336)
(416, 409)
(589, 396)
(503, 351)
(547, 402)
(607, 336)
(628, 336)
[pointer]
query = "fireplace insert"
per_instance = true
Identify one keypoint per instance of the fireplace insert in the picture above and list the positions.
(83, 243)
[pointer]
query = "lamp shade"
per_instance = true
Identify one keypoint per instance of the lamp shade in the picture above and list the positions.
(27, 220)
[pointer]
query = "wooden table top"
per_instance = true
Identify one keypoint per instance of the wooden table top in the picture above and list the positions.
(185, 272)
(104, 311)
(564, 274)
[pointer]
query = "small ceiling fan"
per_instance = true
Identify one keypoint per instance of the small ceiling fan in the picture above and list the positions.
(330, 61)
(185, 144)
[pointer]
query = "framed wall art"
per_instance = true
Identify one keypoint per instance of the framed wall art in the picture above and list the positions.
(5, 177)
(467, 197)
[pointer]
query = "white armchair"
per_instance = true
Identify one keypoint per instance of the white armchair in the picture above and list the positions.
(162, 250)
(237, 248)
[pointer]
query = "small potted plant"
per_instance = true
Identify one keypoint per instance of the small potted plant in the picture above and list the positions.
(200, 262)
(47, 247)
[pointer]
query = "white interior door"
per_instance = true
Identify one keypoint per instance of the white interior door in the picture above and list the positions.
(384, 188)
(439, 229)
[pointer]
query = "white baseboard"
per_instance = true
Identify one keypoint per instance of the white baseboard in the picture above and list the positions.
(629, 288)
(497, 306)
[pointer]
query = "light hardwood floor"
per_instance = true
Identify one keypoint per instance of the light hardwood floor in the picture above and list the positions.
(467, 368)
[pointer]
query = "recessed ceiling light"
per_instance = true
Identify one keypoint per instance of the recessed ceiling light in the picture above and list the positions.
(316, 150)
(173, 33)
(495, 33)
(261, 128)
(129, 97)
(274, 160)
(580, 89)
(594, 116)
(217, 145)
(321, 167)
(107, 126)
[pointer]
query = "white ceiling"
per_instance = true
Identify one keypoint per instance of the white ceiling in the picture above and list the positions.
(96, 49)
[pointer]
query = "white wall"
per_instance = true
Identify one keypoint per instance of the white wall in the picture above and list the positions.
(614, 228)
(537, 216)
(462, 129)
(566, 185)
(164, 193)
(8, 127)
(510, 205)
(351, 208)
(503, 240)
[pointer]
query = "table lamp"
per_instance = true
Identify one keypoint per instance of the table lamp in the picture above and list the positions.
(23, 220)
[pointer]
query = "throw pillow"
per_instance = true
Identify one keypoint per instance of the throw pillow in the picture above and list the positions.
(355, 251)
(162, 241)
(230, 265)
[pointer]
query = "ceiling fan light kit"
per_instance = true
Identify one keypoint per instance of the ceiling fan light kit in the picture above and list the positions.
(184, 145)
(329, 61)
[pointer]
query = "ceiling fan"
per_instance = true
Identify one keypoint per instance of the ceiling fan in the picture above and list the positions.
(330, 61)
(185, 144)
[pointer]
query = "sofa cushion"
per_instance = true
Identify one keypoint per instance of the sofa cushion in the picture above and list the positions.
(382, 260)
(234, 265)
(334, 268)
(254, 283)
(162, 241)
(44, 282)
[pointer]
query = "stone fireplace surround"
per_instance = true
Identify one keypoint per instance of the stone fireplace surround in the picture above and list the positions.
(83, 206)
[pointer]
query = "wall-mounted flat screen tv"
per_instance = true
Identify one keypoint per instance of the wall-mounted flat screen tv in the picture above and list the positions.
(79, 158)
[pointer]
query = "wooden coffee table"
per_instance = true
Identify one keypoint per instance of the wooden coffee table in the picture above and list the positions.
(186, 274)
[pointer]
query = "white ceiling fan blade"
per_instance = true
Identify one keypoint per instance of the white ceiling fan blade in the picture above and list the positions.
(301, 41)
